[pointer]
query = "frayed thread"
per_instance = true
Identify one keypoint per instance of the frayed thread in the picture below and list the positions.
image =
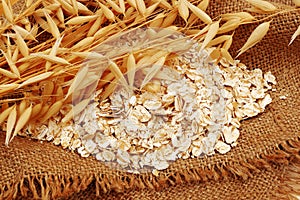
(290, 182)
(54, 186)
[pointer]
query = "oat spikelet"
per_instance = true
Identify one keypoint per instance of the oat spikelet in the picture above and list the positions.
(52, 26)
(44, 109)
(169, 19)
(153, 71)
(22, 106)
(157, 21)
(50, 58)
(36, 79)
(113, 67)
(11, 121)
(75, 6)
(36, 110)
(24, 33)
(151, 9)
(11, 64)
(81, 19)
(122, 6)
(229, 26)
(297, 32)
(141, 7)
(203, 5)
(263, 5)
(83, 9)
(243, 16)
(225, 54)
(7, 87)
(53, 110)
(80, 76)
(75, 110)
(5, 113)
(297, 2)
(66, 6)
(219, 40)
(22, 45)
(95, 27)
(256, 36)
(109, 89)
(15, 55)
(53, 52)
(114, 6)
(84, 43)
(7, 11)
(227, 43)
(131, 65)
(60, 15)
(183, 10)
(107, 12)
(8, 73)
(132, 3)
(212, 32)
(199, 13)
(22, 121)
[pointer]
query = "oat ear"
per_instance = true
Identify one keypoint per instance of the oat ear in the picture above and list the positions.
(256, 36)
(36, 79)
(183, 10)
(11, 121)
(22, 121)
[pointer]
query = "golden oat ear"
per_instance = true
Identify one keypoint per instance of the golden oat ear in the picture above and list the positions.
(36, 79)
(199, 13)
(212, 32)
(131, 67)
(153, 71)
(21, 44)
(53, 110)
(107, 12)
(183, 10)
(7, 11)
(52, 26)
(256, 36)
(11, 121)
(11, 64)
(262, 5)
(22, 121)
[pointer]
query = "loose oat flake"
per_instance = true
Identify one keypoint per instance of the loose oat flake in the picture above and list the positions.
(173, 102)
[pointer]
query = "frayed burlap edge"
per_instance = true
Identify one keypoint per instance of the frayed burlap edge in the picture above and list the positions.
(290, 181)
(54, 186)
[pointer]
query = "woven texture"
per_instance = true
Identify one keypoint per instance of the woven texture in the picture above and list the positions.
(258, 187)
(267, 143)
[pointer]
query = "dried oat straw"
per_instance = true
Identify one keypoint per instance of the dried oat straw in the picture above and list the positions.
(186, 106)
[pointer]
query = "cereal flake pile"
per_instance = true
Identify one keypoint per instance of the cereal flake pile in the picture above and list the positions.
(191, 108)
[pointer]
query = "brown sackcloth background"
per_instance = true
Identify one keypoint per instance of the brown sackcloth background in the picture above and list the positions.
(264, 165)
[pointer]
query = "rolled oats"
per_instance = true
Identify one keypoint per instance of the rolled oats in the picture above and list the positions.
(192, 108)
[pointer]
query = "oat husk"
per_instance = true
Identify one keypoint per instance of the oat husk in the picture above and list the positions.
(265, 160)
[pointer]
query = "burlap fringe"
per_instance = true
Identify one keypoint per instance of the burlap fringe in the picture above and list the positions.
(53, 186)
(290, 180)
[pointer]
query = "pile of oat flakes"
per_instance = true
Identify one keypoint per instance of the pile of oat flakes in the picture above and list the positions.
(190, 108)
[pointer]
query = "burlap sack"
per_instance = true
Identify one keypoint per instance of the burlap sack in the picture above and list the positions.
(262, 166)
